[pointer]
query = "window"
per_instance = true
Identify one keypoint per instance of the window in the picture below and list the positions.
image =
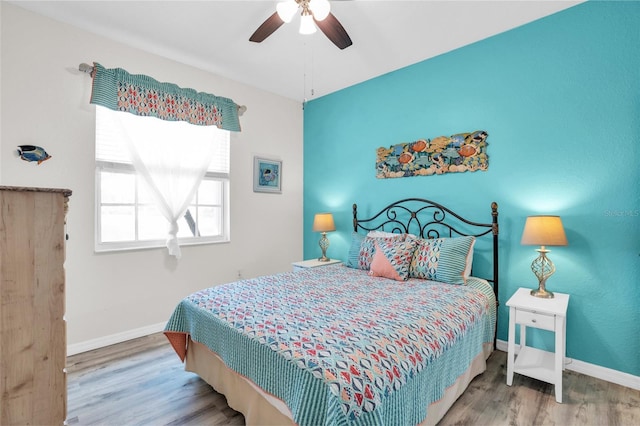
(126, 212)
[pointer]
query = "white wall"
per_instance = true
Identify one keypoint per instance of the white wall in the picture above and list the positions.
(45, 101)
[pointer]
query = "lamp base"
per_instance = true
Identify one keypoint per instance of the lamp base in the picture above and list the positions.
(542, 293)
(324, 245)
(543, 268)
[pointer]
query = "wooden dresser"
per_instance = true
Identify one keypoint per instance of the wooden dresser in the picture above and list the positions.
(32, 305)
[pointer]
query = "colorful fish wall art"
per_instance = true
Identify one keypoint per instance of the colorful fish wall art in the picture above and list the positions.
(463, 152)
(32, 153)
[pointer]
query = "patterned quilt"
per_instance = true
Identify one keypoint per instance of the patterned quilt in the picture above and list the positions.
(341, 347)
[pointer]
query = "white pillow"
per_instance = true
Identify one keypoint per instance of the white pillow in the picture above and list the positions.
(467, 270)
(382, 234)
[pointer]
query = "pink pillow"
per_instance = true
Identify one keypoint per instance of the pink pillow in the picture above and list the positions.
(391, 259)
(367, 249)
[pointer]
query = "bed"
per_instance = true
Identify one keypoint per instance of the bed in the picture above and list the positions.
(393, 335)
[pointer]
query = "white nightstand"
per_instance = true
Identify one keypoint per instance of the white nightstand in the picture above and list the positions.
(546, 314)
(313, 263)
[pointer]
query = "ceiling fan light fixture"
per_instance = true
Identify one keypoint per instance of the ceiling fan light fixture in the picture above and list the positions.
(307, 26)
(286, 10)
(315, 15)
(320, 9)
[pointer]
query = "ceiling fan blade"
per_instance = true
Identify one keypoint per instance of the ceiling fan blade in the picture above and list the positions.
(267, 28)
(334, 31)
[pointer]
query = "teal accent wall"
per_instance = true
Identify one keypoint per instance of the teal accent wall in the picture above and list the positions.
(560, 99)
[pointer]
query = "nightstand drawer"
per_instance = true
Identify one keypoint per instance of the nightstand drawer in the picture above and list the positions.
(535, 319)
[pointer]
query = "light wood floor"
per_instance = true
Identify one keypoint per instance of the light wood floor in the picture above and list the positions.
(142, 382)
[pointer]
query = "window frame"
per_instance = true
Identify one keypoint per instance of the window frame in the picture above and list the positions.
(112, 246)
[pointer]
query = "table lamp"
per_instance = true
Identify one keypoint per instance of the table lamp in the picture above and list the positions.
(543, 231)
(323, 222)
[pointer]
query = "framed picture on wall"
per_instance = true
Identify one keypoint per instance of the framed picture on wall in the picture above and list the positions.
(267, 175)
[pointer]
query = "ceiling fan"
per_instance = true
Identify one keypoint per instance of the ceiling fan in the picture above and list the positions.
(314, 12)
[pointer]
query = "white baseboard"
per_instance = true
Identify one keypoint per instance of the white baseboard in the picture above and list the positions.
(112, 339)
(603, 373)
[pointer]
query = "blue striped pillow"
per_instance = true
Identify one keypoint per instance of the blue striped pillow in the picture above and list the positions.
(354, 251)
(446, 260)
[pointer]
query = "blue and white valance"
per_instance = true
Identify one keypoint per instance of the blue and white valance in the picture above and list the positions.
(139, 94)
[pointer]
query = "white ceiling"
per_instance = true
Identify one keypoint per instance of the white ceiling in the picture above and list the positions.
(213, 35)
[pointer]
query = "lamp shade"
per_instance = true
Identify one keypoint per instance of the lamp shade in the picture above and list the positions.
(307, 26)
(320, 9)
(286, 10)
(543, 231)
(323, 222)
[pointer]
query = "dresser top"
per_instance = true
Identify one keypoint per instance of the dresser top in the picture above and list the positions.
(65, 192)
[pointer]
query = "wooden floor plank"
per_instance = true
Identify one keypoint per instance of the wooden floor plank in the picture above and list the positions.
(142, 382)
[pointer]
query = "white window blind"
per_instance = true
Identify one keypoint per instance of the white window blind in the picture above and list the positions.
(110, 146)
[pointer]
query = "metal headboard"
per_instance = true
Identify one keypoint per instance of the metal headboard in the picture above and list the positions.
(429, 219)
